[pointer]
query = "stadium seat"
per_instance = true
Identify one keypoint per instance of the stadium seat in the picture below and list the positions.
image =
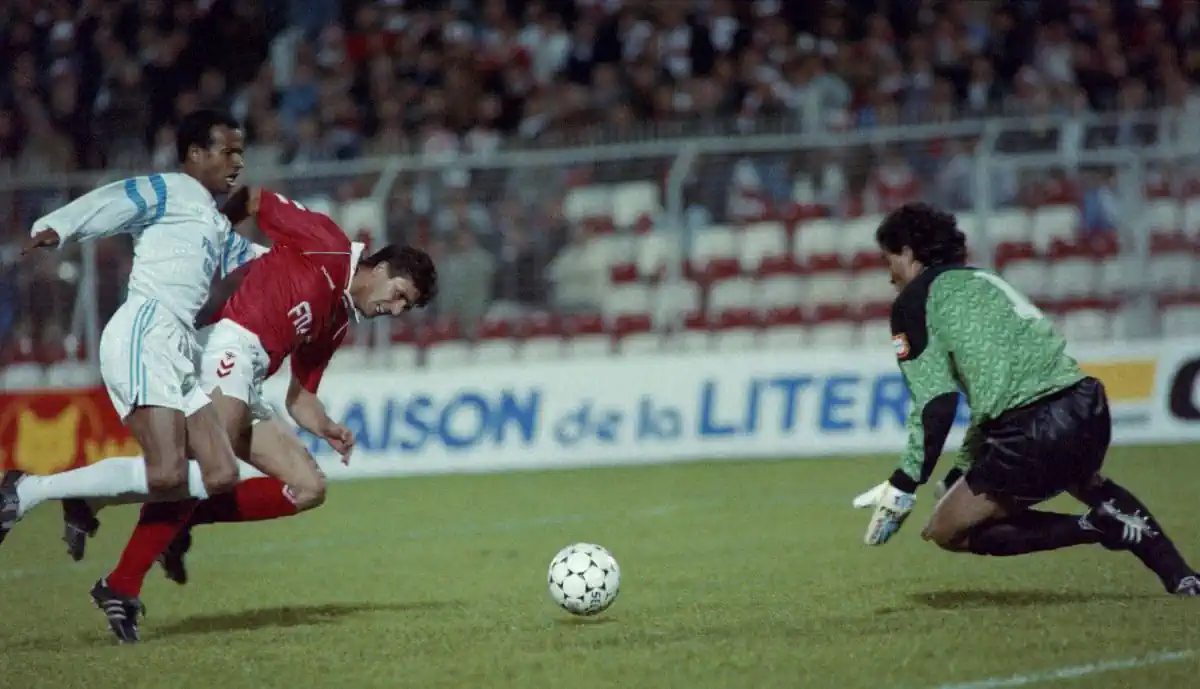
(1087, 325)
(1172, 264)
(738, 293)
(780, 291)
(875, 333)
(634, 334)
(350, 360)
(1006, 226)
(1163, 215)
(833, 335)
(400, 355)
(588, 202)
(496, 342)
(1073, 278)
(633, 200)
(324, 205)
(614, 249)
(362, 214)
(674, 300)
(858, 237)
(1049, 223)
(817, 244)
(871, 286)
(1191, 217)
(621, 300)
(656, 250)
(696, 335)
(828, 288)
(1181, 320)
(715, 243)
(586, 337)
(1029, 277)
(737, 330)
(762, 240)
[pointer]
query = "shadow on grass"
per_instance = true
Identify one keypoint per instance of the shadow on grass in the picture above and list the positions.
(585, 621)
(969, 598)
(284, 617)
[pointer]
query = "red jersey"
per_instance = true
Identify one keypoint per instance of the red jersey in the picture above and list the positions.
(294, 298)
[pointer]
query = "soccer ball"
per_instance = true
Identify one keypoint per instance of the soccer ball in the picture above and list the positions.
(584, 579)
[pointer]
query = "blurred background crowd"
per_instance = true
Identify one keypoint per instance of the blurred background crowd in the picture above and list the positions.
(98, 84)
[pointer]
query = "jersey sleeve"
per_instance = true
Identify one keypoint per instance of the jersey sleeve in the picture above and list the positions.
(287, 221)
(919, 337)
(309, 361)
(237, 251)
(117, 208)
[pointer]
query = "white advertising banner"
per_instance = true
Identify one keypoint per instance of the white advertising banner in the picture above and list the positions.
(700, 406)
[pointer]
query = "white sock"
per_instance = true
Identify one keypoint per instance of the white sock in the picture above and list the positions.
(113, 481)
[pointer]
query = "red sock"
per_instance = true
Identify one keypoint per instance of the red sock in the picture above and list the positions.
(159, 524)
(252, 500)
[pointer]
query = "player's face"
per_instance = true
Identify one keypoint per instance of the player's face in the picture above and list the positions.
(218, 166)
(387, 296)
(902, 266)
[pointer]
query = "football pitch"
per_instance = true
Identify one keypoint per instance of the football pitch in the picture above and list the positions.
(734, 575)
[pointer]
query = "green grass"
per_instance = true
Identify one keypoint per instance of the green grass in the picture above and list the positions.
(741, 574)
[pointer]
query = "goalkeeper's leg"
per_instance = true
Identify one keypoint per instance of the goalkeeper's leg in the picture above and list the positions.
(969, 521)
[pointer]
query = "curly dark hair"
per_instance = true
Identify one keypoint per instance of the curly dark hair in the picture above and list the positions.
(412, 263)
(931, 234)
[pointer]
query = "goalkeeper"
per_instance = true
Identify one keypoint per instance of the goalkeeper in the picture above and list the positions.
(1039, 427)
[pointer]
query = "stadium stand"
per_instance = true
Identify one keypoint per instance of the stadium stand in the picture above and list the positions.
(541, 140)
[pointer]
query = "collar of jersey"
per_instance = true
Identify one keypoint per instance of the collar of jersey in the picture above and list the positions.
(356, 251)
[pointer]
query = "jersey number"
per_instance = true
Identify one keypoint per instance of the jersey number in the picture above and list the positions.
(290, 202)
(1022, 307)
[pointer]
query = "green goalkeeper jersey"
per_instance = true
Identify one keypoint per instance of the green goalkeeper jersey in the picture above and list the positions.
(962, 328)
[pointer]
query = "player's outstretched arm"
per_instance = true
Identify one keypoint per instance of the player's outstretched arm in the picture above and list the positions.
(241, 204)
(116, 208)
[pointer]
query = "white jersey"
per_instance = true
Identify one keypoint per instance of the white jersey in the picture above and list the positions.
(180, 237)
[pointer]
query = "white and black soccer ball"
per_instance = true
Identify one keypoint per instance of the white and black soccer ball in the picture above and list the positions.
(584, 579)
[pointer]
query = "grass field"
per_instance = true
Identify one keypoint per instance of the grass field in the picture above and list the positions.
(735, 575)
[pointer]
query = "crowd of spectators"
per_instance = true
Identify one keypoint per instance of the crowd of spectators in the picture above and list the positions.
(97, 84)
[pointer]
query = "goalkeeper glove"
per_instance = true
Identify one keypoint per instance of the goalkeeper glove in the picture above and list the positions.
(892, 506)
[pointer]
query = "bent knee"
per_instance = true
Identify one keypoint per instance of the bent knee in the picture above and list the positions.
(221, 479)
(162, 478)
(308, 493)
(945, 536)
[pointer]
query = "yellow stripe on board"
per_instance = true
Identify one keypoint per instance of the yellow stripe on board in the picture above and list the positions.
(1125, 381)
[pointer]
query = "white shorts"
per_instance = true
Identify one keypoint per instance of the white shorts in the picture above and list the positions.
(233, 359)
(147, 359)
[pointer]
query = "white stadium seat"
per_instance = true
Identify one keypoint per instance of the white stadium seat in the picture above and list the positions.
(1054, 222)
(1073, 278)
(632, 200)
(1007, 226)
(1181, 321)
(589, 347)
(737, 293)
(785, 337)
(858, 236)
(715, 242)
(1088, 325)
(875, 334)
(582, 203)
(622, 300)
(760, 241)
(450, 354)
(1028, 277)
(872, 287)
(839, 335)
(817, 238)
(362, 214)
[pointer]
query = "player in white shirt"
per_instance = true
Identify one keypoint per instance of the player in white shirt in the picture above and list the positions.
(147, 349)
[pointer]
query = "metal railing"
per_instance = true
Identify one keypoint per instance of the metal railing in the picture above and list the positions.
(484, 202)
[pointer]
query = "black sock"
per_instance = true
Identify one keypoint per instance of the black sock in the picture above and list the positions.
(1158, 552)
(1030, 531)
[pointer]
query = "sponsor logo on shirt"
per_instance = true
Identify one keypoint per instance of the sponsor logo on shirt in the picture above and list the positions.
(900, 344)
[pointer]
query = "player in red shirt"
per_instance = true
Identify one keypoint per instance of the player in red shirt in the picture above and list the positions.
(296, 300)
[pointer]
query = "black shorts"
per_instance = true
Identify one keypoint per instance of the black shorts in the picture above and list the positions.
(1036, 452)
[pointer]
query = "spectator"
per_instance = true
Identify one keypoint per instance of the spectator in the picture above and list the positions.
(468, 272)
(578, 275)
